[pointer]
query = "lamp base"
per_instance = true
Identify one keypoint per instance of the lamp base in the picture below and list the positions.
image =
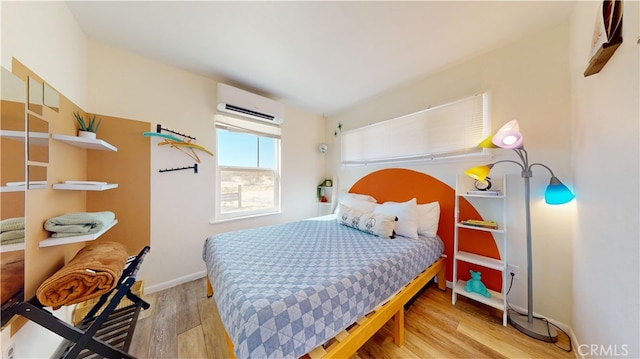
(538, 329)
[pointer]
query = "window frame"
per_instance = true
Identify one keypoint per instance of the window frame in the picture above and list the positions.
(255, 128)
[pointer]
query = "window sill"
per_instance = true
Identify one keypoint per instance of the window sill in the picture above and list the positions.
(249, 216)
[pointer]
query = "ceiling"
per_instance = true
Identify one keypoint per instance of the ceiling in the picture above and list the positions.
(321, 56)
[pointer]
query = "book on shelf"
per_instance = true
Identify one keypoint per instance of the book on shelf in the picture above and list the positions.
(480, 223)
(484, 193)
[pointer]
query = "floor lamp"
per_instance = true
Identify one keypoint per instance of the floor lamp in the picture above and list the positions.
(509, 137)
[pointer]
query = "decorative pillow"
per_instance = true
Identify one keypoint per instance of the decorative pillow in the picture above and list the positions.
(428, 218)
(407, 213)
(381, 225)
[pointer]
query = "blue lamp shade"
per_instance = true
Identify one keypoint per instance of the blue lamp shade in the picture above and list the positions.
(557, 192)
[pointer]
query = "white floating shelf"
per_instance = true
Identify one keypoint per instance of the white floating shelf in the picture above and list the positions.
(83, 142)
(39, 139)
(21, 188)
(480, 195)
(12, 247)
(84, 187)
(84, 238)
(480, 260)
(495, 300)
(460, 225)
(13, 188)
(14, 135)
(35, 138)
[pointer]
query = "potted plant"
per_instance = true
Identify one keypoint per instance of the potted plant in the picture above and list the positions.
(89, 127)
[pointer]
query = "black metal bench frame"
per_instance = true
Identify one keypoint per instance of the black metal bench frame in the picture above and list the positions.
(105, 335)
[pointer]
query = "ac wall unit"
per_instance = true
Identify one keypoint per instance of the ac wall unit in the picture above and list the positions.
(246, 104)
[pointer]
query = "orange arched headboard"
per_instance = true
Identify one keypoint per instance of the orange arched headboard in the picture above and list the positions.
(401, 185)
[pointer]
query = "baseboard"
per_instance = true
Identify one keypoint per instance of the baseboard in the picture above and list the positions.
(174, 282)
(576, 345)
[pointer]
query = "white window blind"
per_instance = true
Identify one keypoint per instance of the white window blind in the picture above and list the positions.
(450, 130)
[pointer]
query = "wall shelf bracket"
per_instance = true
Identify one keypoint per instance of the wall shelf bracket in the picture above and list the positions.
(195, 168)
(159, 129)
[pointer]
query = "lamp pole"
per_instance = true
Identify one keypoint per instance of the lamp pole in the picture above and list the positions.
(534, 327)
(527, 211)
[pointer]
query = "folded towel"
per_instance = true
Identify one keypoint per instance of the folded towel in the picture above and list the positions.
(12, 237)
(11, 224)
(93, 271)
(77, 224)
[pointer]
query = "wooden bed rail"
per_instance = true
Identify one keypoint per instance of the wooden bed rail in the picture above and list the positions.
(346, 343)
(209, 288)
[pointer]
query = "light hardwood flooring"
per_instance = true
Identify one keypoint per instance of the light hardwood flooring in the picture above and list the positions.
(183, 323)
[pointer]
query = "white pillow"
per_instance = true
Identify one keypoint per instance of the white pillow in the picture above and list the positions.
(362, 197)
(359, 202)
(407, 213)
(378, 224)
(428, 218)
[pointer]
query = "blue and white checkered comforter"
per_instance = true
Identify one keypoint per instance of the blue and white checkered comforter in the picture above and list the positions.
(283, 290)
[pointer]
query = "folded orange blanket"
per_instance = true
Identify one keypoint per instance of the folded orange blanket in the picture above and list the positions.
(12, 274)
(93, 271)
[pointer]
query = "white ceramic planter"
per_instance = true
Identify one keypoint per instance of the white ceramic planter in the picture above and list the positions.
(87, 134)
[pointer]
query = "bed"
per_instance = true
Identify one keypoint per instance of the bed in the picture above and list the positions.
(321, 287)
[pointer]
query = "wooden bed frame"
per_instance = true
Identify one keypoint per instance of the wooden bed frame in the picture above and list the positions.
(398, 185)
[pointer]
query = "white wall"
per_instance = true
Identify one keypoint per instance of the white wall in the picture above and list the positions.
(606, 116)
(528, 80)
(182, 203)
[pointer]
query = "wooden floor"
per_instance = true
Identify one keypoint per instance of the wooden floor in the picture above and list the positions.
(183, 323)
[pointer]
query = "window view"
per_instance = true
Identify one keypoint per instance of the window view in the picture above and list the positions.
(248, 174)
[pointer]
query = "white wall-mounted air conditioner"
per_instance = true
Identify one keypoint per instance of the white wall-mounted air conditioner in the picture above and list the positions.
(246, 104)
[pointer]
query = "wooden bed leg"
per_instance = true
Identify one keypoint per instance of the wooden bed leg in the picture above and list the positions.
(442, 278)
(398, 327)
(209, 288)
(229, 345)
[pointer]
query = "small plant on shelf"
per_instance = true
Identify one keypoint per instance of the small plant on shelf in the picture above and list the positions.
(90, 125)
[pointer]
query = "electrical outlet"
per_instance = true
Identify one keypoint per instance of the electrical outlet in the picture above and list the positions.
(513, 269)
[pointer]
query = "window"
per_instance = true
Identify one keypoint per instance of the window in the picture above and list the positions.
(248, 170)
(446, 131)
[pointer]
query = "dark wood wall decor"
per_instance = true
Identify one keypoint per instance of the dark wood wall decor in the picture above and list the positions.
(607, 35)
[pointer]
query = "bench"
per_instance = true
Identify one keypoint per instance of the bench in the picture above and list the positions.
(233, 196)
